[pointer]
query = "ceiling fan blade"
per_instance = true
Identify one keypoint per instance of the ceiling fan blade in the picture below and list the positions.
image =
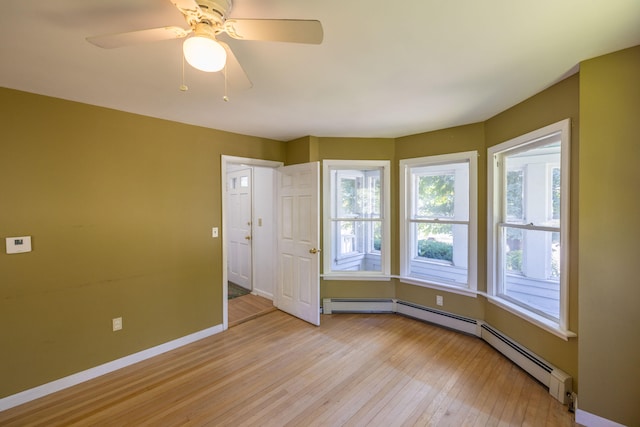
(236, 76)
(187, 7)
(110, 41)
(278, 30)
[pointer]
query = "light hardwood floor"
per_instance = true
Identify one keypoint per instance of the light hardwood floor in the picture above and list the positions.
(276, 370)
(247, 307)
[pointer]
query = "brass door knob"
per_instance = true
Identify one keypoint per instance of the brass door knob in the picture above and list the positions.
(247, 237)
(314, 251)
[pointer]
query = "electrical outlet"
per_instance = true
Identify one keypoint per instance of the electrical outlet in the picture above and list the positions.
(439, 300)
(116, 323)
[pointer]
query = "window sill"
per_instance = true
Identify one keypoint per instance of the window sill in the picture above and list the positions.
(533, 318)
(359, 276)
(439, 286)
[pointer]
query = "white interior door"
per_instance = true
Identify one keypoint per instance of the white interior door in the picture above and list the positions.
(239, 216)
(298, 266)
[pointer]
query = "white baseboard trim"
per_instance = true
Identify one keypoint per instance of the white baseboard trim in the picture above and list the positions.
(263, 294)
(80, 377)
(591, 420)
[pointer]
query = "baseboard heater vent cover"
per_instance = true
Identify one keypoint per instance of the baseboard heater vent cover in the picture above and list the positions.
(348, 305)
(558, 382)
(442, 318)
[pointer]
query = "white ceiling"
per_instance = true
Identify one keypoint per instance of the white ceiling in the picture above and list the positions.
(384, 69)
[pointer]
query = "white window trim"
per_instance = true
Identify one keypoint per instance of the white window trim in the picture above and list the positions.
(405, 254)
(385, 250)
(493, 208)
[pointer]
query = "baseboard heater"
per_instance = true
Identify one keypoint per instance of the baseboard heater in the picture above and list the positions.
(348, 305)
(558, 382)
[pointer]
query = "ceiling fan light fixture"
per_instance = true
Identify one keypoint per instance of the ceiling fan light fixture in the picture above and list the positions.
(204, 53)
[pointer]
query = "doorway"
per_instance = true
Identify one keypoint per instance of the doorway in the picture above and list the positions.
(283, 234)
(248, 227)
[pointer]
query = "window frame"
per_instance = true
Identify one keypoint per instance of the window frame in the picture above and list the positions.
(385, 220)
(408, 194)
(496, 219)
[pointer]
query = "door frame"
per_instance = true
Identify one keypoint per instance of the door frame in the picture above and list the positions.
(224, 161)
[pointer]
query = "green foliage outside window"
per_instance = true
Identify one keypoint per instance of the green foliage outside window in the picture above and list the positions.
(436, 196)
(514, 260)
(429, 248)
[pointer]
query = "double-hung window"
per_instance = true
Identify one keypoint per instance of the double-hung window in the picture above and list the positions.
(528, 226)
(356, 218)
(438, 227)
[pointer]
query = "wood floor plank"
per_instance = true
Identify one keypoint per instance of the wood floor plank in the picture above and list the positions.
(276, 370)
(247, 307)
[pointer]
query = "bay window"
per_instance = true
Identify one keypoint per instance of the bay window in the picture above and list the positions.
(438, 221)
(528, 226)
(356, 213)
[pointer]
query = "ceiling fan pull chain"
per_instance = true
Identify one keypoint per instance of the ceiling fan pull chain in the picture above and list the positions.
(183, 86)
(225, 98)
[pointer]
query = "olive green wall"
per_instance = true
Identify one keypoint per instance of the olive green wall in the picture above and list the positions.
(302, 150)
(556, 103)
(609, 349)
(120, 209)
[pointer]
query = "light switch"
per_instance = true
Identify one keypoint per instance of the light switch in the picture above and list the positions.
(17, 245)
(214, 232)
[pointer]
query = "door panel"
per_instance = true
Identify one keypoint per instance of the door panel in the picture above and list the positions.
(239, 214)
(298, 284)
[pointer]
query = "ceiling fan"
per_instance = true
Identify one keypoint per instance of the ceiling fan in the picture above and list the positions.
(209, 18)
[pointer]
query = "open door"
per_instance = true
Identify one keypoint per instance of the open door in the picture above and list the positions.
(298, 265)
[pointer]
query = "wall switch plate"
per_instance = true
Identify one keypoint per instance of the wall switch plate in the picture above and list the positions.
(214, 232)
(439, 300)
(17, 245)
(116, 323)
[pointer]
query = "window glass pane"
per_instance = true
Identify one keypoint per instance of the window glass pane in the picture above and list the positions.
(515, 195)
(347, 191)
(513, 250)
(357, 245)
(358, 194)
(434, 241)
(347, 237)
(555, 193)
(376, 228)
(435, 195)
(532, 269)
(440, 252)
(532, 193)
(374, 195)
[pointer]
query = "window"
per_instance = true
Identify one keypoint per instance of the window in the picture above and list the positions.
(528, 226)
(356, 213)
(438, 221)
